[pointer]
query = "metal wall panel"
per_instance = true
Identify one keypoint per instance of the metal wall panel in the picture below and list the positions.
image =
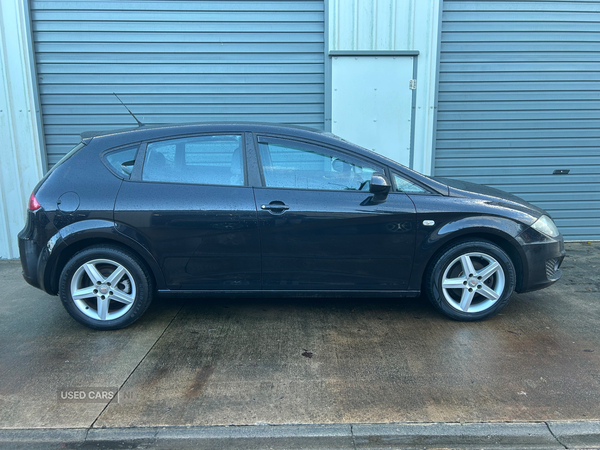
(176, 61)
(20, 150)
(395, 25)
(519, 91)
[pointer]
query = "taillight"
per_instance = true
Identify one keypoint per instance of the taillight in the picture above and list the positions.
(33, 204)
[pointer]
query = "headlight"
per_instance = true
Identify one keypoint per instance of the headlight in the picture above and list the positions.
(546, 226)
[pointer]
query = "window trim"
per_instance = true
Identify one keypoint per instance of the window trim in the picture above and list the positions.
(141, 157)
(136, 173)
(310, 146)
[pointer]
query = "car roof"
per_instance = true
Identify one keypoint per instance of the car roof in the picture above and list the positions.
(125, 136)
(183, 128)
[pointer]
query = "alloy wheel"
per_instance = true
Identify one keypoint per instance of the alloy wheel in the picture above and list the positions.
(103, 289)
(473, 282)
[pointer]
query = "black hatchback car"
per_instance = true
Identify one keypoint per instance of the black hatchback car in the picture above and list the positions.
(271, 210)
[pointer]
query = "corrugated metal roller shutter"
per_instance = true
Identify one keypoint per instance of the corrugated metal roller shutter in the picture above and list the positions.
(176, 61)
(519, 97)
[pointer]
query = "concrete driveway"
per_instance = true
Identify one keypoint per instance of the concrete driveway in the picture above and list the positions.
(255, 361)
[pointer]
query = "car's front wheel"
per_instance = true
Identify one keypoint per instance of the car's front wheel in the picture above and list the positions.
(471, 280)
(105, 288)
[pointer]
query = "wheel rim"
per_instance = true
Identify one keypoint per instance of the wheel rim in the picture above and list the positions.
(473, 282)
(103, 289)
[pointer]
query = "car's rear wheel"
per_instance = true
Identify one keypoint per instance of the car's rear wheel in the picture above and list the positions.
(471, 280)
(105, 288)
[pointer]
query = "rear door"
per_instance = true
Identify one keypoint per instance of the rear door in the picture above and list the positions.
(192, 208)
(318, 229)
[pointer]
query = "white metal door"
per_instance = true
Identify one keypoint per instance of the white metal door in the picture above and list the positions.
(372, 103)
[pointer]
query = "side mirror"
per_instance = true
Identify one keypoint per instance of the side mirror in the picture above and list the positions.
(380, 186)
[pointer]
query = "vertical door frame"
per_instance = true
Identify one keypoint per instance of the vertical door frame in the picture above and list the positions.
(34, 82)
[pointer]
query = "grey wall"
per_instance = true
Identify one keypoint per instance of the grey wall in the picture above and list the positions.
(176, 61)
(519, 97)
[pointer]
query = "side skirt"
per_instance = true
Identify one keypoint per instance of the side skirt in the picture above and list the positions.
(286, 293)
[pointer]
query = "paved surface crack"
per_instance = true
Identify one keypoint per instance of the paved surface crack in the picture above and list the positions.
(87, 430)
(554, 436)
(133, 371)
(352, 434)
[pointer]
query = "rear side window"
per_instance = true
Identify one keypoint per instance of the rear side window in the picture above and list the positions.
(122, 160)
(199, 160)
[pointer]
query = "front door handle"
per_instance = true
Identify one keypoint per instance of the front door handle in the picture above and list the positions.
(275, 207)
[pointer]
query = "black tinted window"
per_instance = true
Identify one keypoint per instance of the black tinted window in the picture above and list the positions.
(199, 159)
(122, 160)
(290, 167)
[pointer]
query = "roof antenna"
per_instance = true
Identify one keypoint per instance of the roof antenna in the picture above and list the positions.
(132, 115)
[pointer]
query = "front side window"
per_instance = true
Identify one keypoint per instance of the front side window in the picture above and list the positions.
(286, 166)
(200, 160)
(404, 185)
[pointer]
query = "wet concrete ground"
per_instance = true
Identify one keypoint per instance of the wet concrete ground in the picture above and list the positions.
(220, 362)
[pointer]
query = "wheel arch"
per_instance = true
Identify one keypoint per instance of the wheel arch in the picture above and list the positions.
(502, 240)
(70, 244)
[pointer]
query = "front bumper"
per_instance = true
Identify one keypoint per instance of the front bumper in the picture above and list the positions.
(542, 264)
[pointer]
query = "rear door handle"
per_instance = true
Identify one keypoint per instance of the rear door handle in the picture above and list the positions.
(275, 207)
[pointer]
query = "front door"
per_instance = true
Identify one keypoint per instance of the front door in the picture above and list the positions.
(318, 229)
(192, 209)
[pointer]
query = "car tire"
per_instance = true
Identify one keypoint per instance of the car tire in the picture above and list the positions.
(105, 287)
(477, 295)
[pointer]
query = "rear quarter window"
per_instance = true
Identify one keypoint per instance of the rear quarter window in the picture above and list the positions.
(121, 161)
